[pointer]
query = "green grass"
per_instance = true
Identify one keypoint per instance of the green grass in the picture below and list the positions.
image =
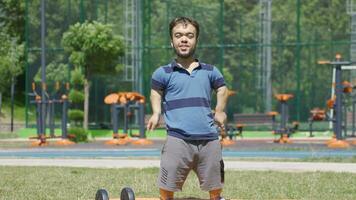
(81, 183)
(7, 135)
(161, 133)
(19, 113)
(351, 159)
(28, 132)
(158, 133)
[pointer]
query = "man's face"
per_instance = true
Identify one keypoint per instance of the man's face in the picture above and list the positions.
(184, 40)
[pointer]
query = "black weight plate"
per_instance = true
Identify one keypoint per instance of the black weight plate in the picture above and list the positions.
(102, 194)
(127, 194)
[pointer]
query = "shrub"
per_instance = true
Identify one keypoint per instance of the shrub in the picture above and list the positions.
(77, 77)
(75, 115)
(76, 96)
(78, 134)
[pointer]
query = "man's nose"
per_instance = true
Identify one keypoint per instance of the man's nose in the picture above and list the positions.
(184, 39)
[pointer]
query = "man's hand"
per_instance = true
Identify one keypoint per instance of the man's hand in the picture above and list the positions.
(220, 119)
(153, 122)
(156, 99)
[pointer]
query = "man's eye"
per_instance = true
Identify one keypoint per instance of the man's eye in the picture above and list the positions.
(190, 35)
(178, 35)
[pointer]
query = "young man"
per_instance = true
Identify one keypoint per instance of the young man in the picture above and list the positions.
(184, 87)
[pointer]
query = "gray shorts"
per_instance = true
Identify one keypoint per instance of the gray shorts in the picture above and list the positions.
(180, 156)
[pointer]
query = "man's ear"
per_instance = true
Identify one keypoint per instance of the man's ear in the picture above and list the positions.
(172, 44)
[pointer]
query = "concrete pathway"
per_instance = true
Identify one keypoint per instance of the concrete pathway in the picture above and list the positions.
(144, 163)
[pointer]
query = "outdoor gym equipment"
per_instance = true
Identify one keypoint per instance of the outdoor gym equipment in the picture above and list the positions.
(338, 140)
(127, 101)
(318, 114)
(49, 106)
(284, 130)
(242, 120)
(264, 119)
(225, 141)
(353, 117)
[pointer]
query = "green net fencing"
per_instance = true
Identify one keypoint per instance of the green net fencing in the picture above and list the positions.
(234, 36)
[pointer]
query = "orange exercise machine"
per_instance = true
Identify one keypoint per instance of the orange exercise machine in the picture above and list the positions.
(126, 101)
(284, 130)
(338, 140)
(46, 107)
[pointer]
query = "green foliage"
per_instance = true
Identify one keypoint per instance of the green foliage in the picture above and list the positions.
(11, 39)
(77, 76)
(77, 58)
(12, 18)
(325, 29)
(119, 68)
(80, 134)
(75, 115)
(229, 78)
(76, 96)
(94, 46)
(55, 72)
(11, 55)
(318, 32)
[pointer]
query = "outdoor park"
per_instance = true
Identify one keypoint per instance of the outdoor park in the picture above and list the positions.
(75, 97)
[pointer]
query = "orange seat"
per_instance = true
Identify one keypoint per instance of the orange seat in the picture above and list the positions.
(347, 87)
(318, 114)
(240, 125)
(330, 103)
(273, 113)
(283, 97)
(111, 98)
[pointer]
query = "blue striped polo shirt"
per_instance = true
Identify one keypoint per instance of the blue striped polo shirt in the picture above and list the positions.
(187, 98)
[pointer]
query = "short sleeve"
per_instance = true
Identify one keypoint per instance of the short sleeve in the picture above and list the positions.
(159, 79)
(217, 79)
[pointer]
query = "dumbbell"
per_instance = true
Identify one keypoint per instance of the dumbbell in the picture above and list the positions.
(102, 194)
(126, 194)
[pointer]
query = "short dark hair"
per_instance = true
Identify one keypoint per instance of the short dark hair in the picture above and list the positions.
(185, 21)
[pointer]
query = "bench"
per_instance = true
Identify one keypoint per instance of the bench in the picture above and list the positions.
(317, 115)
(256, 119)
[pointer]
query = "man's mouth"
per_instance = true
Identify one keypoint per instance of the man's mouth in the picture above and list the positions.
(184, 47)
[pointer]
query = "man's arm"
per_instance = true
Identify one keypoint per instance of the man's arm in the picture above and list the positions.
(156, 100)
(220, 115)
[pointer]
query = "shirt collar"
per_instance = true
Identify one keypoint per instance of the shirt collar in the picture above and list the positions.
(174, 63)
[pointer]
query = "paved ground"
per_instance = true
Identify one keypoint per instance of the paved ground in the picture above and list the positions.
(149, 162)
(98, 155)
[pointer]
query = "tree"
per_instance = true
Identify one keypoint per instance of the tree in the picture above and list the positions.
(12, 18)
(93, 48)
(12, 15)
(55, 72)
(11, 55)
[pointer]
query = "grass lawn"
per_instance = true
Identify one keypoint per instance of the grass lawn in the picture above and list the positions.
(19, 113)
(81, 183)
(161, 133)
(28, 132)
